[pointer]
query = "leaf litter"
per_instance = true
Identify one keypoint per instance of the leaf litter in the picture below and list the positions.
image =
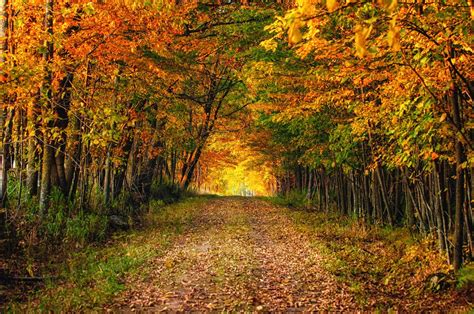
(244, 254)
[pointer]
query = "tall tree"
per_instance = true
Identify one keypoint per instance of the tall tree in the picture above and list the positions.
(4, 25)
(47, 108)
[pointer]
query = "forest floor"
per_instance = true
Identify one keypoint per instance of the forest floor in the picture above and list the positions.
(248, 254)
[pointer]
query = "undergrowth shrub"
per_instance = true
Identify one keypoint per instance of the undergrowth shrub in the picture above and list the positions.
(55, 218)
(465, 276)
(121, 205)
(72, 223)
(167, 192)
(294, 198)
(86, 227)
(155, 205)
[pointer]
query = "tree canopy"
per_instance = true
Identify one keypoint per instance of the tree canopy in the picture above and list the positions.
(363, 108)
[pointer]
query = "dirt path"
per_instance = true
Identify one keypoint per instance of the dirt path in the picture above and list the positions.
(241, 254)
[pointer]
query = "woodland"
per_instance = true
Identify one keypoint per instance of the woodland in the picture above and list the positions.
(291, 154)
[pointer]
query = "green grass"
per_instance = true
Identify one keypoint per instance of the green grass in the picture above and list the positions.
(90, 278)
(465, 276)
(294, 199)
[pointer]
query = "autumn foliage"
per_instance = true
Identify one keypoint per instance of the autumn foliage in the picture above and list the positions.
(378, 111)
(362, 108)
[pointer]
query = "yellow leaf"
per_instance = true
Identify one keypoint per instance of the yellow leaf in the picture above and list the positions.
(393, 5)
(360, 41)
(331, 5)
(294, 33)
(269, 44)
(443, 117)
(30, 271)
(393, 36)
(390, 5)
(305, 6)
(169, 263)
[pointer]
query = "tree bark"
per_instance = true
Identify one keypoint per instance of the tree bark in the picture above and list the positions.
(459, 194)
(460, 158)
(191, 165)
(3, 109)
(46, 93)
(32, 157)
(61, 109)
(107, 178)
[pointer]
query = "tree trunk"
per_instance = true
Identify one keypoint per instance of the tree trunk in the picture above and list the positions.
(188, 175)
(309, 192)
(107, 179)
(6, 137)
(439, 210)
(61, 110)
(32, 158)
(459, 194)
(46, 93)
(3, 110)
(73, 149)
(130, 170)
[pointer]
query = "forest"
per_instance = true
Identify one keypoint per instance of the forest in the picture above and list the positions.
(236, 155)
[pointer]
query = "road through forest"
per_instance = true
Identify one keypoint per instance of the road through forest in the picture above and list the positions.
(246, 254)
